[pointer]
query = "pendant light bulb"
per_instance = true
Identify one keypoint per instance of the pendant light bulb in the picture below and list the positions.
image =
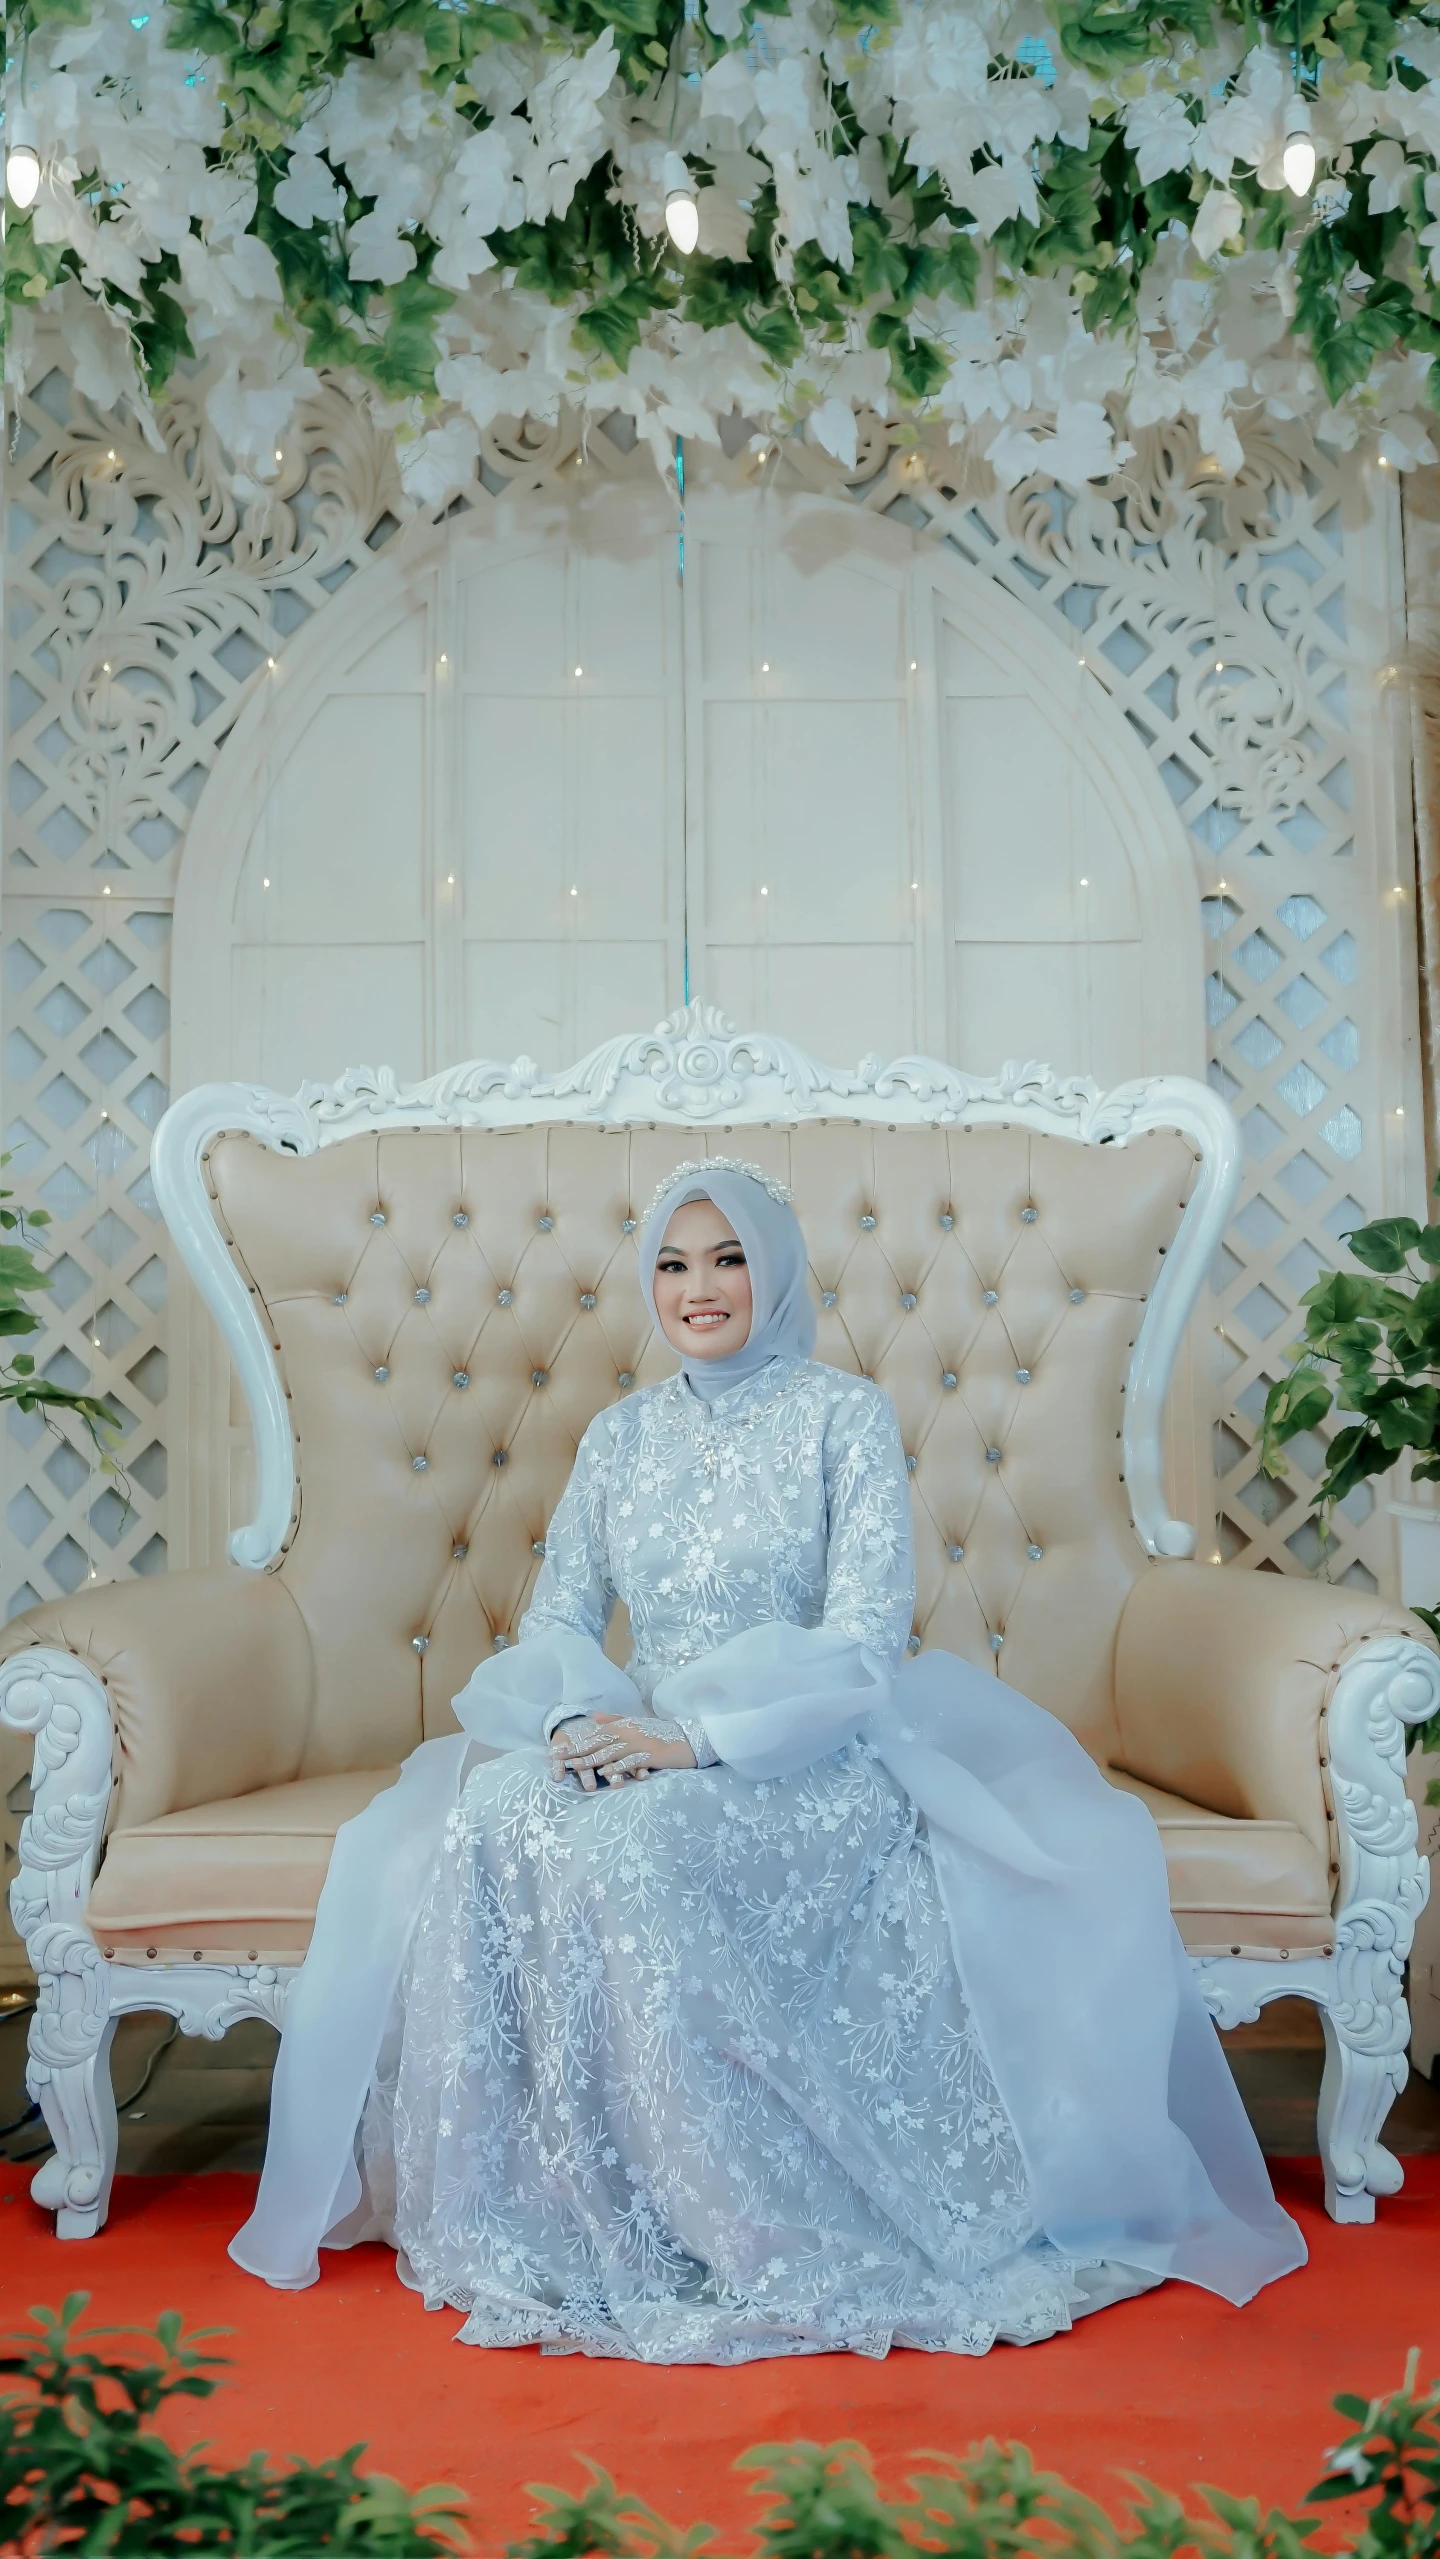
(1298, 161)
(22, 159)
(682, 213)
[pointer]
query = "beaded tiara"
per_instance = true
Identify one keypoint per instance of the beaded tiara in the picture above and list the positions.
(719, 1164)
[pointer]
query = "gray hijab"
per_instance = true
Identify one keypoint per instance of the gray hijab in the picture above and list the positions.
(782, 1324)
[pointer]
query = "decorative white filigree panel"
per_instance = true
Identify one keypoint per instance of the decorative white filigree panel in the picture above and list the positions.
(1239, 629)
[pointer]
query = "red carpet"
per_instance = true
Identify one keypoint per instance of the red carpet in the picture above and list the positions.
(1176, 2385)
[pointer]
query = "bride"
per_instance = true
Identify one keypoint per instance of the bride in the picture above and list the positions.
(775, 1995)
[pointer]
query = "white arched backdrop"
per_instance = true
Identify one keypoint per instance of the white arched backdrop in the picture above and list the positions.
(523, 789)
(527, 787)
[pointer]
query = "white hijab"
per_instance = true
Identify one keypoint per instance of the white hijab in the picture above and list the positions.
(782, 1324)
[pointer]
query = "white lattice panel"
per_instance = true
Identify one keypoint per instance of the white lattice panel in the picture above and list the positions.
(1239, 629)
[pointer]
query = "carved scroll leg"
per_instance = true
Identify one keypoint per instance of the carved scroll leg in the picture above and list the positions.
(78, 2104)
(1356, 2094)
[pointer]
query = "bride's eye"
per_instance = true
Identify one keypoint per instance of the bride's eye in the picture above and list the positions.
(734, 1260)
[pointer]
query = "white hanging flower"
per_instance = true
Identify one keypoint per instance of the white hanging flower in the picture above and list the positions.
(1221, 217)
(309, 191)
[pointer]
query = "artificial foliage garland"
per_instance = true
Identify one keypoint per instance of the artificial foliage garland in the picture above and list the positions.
(1040, 226)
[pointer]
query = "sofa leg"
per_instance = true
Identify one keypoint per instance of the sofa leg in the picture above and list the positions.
(78, 2103)
(1356, 2094)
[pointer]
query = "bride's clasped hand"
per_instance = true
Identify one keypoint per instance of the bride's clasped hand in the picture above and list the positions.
(776, 1994)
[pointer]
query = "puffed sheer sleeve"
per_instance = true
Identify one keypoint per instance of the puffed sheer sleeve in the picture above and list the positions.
(870, 1583)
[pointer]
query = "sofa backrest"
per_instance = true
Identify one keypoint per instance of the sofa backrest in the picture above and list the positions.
(450, 1307)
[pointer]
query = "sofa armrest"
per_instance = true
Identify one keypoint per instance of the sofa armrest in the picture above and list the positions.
(206, 1677)
(1225, 1682)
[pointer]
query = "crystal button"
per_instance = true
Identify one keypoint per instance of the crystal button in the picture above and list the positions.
(1077, 1296)
(949, 1378)
(907, 1298)
(992, 1456)
(912, 1644)
(380, 1376)
(422, 1296)
(828, 1297)
(418, 1465)
(947, 1221)
(538, 1377)
(626, 1377)
(506, 1297)
(1022, 1376)
(460, 1551)
(461, 1377)
(991, 1297)
(547, 1223)
(627, 1225)
(420, 1643)
(1027, 1218)
(867, 1222)
(377, 1217)
(910, 1465)
(537, 1546)
(340, 1297)
(501, 1457)
(502, 1643)
(1034, 1553)
(587, 1298)
(995, 1643)
(460, 1218)
(957, 1554)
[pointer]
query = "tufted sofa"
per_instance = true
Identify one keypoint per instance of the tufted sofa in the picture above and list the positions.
(435, 1312)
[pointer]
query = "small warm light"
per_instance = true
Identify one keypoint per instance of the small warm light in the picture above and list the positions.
(279, 456)
(1399, 1110)
(110, 456)
(579, 670)
(1222, 884)
(574, 892)
(1084, 884)
(764, 892)
(682, 210)
(1079, 661)
(914, 662)
(445, 661)
(1219, 666)
(1384, 461)
(449, 879)
(765, 666)
(104, 1115)
(913, 470)
(106, 890)
(95, 1341)
(1298, 159)
(106, 667)
(264, 884)
(270, 662)
(22, 160)
(915, 885)
(1215, 1559)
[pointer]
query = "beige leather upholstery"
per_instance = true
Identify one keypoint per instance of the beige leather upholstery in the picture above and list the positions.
(449, 1309)
(230, 1882)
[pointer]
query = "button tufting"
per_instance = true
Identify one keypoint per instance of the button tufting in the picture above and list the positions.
(912, 1644)
(547, 1224)
(626, 1377)
(537, 1546)
(867, 1222)
(828, 1297)
(460, 1551)
(1028, 1216)
(380, 1376)
(1077, 1296)
(461, 1217)
(957, 1554)
(910, 1465)
(422, 1296)
(627, 1225)
(991, 1297)
(506, 1297)
(907, 1298)
(1034, 1553)
(418, 1465)
(377, 1217)
(949, 1378)
(947, 1221)
(992, 1456)
(419, 1643)
(538, 1377)
(502, 1643)
(461, 1378)
(1022, 1376)
(995, 1643)
(341, 1297)
(501, 1457)
(587, 1299)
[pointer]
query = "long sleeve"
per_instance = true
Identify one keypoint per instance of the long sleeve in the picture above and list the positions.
(870, 1579)
(573, 1587)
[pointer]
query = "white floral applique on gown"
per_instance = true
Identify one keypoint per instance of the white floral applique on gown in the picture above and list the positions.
(684, 2070)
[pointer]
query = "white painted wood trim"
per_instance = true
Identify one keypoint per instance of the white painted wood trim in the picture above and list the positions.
(694, 1067)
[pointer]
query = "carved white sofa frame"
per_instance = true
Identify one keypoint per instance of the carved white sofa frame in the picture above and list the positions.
(694, 1070)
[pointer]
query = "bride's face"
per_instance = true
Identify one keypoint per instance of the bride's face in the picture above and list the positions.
(702, 1287)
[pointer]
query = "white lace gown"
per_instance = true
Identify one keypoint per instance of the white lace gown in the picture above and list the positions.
(684, 2070)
